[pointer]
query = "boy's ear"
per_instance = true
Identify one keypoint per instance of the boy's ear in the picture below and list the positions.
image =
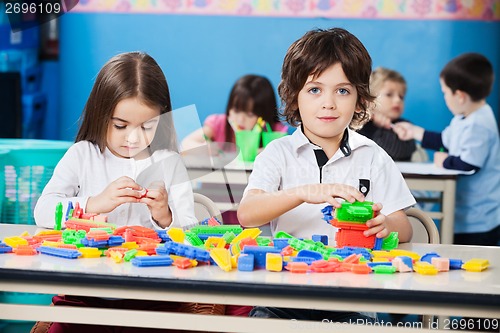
(462, 96)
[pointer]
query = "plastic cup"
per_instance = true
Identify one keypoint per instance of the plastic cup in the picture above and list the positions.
(248, 144)
(270, 136)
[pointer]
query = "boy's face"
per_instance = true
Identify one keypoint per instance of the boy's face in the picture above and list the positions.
(454, 101)
(326, 105)
(391, 99)
(132, 128)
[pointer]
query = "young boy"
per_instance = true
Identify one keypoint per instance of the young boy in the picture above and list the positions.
(325, 90)
(472, 143)
(390, 88)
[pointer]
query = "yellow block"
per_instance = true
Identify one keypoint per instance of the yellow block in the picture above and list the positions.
(222, 258)
(274, 262)
(90, 252)
(476, 265)
(176, 234)
(250, 232)
(215, 242)
(398, 253)
(15, 241)
(424, 268)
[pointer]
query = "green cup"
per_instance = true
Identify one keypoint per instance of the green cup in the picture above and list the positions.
(248, 144)
(270, 136)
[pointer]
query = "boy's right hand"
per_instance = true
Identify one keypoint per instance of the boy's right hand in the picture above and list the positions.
(120, 191)
(381, 120)
(321, 193)
(407, 131)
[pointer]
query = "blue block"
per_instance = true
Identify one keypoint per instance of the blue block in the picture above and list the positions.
(151, 261)
(428, 257)
(307, 260)
(320, 238)
(456, 263)
(69, 210)
(183, 250)
(280, 243)
(115, 240)
(373, 264)
(378, 243)
(92, 243)
(59, 252)
(309, 254)
(4, 248)
(246, 262)
(328, 213)
(163, 235)
(259, 253)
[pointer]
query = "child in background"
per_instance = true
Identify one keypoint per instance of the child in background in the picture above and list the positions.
(325, 90)
(390, 88)
(127, 127)
(471, 142)
(251, 97)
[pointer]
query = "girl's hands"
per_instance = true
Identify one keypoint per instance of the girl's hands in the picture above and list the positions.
(123, 190)
(157, 201)
(378, 224)
(321, 193)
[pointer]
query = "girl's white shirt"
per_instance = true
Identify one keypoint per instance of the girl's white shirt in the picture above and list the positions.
(84, 172)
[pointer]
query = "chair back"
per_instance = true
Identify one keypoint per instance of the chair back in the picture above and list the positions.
(205, 208)
(424, 228)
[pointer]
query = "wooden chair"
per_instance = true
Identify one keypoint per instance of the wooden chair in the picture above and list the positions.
(424, 228)
(204, 208)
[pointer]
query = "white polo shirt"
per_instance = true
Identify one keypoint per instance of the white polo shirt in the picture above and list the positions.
(290, 162)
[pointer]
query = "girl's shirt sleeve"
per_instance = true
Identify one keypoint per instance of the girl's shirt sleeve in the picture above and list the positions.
(180, 196)
(280, 127)
(217, 122)
(62, 187)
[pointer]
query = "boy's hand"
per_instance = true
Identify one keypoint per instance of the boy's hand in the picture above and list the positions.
(407, 131)
(321, 193)
(439, 158)
(157, 201)
(381, 120)
(123, 190)
(378, 224)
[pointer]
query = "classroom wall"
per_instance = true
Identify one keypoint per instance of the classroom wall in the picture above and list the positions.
(202, 56)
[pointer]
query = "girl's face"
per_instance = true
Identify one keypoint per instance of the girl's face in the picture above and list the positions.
(327, 104)
(132, 128)
(391, 99)
(242, 120)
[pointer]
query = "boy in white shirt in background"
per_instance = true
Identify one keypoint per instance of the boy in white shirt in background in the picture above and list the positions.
(471, 142)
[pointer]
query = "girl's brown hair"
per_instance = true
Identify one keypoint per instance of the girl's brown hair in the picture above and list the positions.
(255, 94)
(312, 54)
(128, 75)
